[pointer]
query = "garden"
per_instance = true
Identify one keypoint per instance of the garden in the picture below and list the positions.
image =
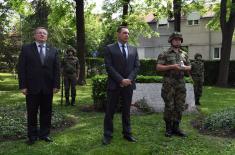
(78, 130)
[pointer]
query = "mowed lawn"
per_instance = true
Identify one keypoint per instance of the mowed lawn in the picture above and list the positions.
(85, 136)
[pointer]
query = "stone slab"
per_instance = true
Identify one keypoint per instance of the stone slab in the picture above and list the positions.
(152, 93)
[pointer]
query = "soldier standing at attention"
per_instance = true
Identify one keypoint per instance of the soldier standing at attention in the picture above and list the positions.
(70, 70)
(197, 73)
(174, 62)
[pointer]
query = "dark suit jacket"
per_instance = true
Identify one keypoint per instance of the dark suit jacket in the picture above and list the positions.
(33, 75)
(119, 68)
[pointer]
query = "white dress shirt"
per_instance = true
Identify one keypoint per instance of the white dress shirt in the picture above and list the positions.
(125, 47)
(43, 48)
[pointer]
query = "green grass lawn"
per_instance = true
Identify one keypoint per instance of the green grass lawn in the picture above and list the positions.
(85, 136)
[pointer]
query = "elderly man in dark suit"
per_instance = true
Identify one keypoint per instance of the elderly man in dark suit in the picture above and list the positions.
(122, 65)
(39, 78)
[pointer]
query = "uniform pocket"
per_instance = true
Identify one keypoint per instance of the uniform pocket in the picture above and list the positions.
(171, 60)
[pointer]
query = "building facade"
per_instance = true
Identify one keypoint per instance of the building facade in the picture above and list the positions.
(197, 37)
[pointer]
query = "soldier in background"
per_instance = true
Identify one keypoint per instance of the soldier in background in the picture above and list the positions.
(197, 73)
(70, 70)
(174, 63)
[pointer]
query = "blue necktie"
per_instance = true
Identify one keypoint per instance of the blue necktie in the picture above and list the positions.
(123, 51)
(41, 53)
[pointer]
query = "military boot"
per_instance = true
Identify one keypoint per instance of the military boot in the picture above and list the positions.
(168, 132)
(73, 101)
(67, 101)
(177, 131)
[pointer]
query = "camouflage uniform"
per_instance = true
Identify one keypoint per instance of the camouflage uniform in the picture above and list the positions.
(197, 73)
(70, 68)
(173, 89)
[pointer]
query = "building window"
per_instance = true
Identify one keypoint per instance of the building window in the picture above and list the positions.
(193, 18)
(193, 22)
(163, 23)
(216, 53)
(196, 22)
(190, 22)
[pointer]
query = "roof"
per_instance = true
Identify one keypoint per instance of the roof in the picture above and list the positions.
(150, 18)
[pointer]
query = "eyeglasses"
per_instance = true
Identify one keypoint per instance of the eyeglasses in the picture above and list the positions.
(44, 33)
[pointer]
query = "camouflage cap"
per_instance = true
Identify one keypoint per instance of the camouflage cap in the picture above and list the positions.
(175, 35)
(197, 55)
(71, 49)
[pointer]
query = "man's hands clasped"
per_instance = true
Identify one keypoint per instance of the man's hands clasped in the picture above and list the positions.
(125, 82)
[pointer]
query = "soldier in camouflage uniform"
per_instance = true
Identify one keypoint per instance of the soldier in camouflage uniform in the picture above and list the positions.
(197, 73)
(70, 70)
(174, 63)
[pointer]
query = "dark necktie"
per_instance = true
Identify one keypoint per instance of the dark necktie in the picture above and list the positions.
(41, 53)
(123, 51)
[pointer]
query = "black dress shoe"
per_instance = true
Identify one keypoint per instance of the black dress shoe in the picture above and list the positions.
(31, 141)
(129, 138)
(106, 140)
(179, 133)
(168, 133)
(47, 139)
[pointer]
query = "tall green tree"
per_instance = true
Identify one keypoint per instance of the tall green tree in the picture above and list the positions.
(9, 33)
(135, 19)
(175, 8)
(80, 23)
(38, 16)
(227, 24)
(125, 7)
(62, 15)
(42, 10)
(177, 14)
(93, 30)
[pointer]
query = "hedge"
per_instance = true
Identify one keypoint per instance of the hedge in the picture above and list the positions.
(148, 67)
(99, 88)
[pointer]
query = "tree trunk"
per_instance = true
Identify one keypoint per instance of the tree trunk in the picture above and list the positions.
(177, 14)
(81, 39)
(125, 11)
(227, 36)
(42, 12)
(227, 28)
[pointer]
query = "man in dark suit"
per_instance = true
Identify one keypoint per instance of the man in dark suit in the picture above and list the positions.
(39, 78)
(122, 65)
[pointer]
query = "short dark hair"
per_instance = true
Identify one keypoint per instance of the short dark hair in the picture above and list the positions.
(121, 27)
(40, 27)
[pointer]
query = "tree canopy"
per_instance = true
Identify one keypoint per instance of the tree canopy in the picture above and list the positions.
(18, 18)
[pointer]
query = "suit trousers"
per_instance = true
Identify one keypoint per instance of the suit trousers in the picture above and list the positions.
(113, 99)
(43, 102)
(70, 82)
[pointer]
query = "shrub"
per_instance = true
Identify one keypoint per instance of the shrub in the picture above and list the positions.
(148, 67)
(143, 106)
(99, 87)
(222, 120)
